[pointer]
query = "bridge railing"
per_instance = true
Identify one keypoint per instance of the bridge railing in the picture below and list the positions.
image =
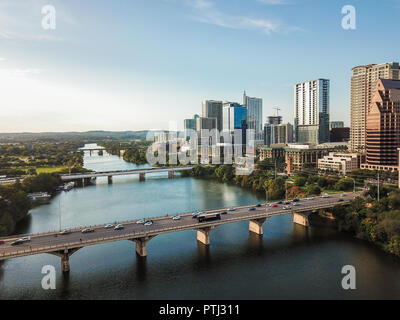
(137, 234)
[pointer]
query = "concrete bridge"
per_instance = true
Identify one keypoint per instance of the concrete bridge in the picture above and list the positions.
(64, 246)
(85, 177)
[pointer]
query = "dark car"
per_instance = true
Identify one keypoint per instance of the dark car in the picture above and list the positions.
(17, 242)
(340, 200)
(279, 202)
(252, 209)
(87, 230)
(224, 212)
(295, 200)
(258, 205)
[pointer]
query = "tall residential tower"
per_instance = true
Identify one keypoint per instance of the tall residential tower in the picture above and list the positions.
(363, 83)
(254, 117)
(311, 109)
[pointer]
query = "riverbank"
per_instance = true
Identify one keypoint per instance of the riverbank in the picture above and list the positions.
(374, 221)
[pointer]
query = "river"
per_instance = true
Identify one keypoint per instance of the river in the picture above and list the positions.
(288, 262)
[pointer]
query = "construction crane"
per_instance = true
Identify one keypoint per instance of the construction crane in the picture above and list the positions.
(277, 110)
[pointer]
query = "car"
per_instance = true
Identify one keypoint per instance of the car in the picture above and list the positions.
(17, 242)
(252, 208)
(310, 198)
(118, 227)
(287, 207)
(274, 206)
(286, 202)
(325, 195)
(26, 239)
(258, 205)
(231, 209)
(295, 204)
(2, 242)
(295, 200)
(340, 200)
(279, 202)
(148, 223)
(176, 218)
(109, 226)
(87, 230)
(65, 232)
(224, 212)
(342, 195)
(141, 221)
(196, 214)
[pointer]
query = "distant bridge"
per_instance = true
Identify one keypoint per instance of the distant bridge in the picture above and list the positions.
(85, 177)
(65, 245)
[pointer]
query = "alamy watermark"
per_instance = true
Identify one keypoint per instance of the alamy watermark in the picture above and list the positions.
(349, 280)
(233, 147)
(349, 21)
(49, 17)
(49, 280)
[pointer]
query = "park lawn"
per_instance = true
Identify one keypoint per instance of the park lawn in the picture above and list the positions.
(49, 169)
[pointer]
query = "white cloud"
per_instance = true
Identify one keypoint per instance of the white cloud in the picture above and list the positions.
(206, 11)
(274, 2)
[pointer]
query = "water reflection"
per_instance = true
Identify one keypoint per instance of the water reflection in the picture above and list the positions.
(288, 261)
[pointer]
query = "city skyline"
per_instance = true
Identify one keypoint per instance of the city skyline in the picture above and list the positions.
(153, 68)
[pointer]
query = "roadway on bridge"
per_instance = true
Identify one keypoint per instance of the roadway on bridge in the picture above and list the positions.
(93, 174)
(160, 225)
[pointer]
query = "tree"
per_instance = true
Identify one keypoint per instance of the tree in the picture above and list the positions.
(345, 184)
(300, 181)
(322, 182)
(313, 190)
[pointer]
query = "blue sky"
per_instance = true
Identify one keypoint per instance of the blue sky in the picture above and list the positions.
(140, 64)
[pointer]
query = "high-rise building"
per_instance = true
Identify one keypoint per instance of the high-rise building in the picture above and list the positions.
(383, 127)
(363, 82)
(312, 111)
(340, 134)
(203, 123)
(189, 124)
(274, 120)
(278, 134)
(234, 117)
(336, 124)
(213, 109)
(254, 117)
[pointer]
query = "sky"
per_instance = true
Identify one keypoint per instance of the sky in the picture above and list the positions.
(147, 64)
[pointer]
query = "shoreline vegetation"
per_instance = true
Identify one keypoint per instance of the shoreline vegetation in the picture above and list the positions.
(40, 164)
(365, 218)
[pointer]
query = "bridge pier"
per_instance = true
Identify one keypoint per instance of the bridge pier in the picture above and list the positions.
(109, 178)
(64, 255)
(141, 245)
(203, 235)
(256, 226)
(301, 218)
(171, 174)
(142, 177)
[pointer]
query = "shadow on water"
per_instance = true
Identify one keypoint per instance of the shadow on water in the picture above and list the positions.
(141, 268)
(203, 256)
(23, 226)
(65, 285)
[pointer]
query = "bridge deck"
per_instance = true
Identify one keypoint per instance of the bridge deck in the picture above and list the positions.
(52, 242)
(94, 174)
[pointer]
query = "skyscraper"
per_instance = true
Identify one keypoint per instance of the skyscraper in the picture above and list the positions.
(312, 111)
(189, 124)
(383, 126)
(235, 116)
(254, 117)
(213, 109)
(363, 82)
